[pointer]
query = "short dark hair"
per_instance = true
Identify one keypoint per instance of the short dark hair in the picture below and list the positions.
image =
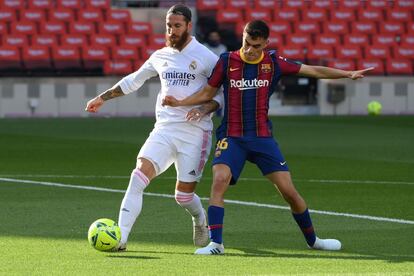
(181, 9)
(256, 29)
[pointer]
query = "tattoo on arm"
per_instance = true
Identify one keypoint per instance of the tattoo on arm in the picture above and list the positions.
(209, 107)
(112, 93)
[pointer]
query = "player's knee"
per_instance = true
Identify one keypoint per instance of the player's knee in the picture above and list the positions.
(183, 198)
(293, 198)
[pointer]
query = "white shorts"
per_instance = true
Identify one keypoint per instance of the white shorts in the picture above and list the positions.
(187, 146)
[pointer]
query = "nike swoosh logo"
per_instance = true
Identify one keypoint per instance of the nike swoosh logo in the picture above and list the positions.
(282, 163)
(233, 69)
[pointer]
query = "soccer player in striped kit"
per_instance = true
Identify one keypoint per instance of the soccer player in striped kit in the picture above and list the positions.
(249, 76)
(183, 68)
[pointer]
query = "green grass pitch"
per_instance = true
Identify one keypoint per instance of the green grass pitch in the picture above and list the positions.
(344, 165)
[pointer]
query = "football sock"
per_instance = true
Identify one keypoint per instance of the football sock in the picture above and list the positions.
(132, 203)
(305, 223)
(192, 204)
(215, 223)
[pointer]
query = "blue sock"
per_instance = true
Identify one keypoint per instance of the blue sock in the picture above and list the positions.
(305, 223)
(215, 223)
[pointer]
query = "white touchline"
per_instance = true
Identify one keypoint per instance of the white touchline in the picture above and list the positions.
(245, 203)
(337, 181)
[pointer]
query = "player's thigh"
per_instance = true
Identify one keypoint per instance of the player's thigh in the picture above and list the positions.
(193, 150)
(283, 182)
(159, 150)
(231, 153)
(265, 153)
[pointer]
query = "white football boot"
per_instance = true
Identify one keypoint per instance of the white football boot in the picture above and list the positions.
(211, 249)
(327, 244)
(120, 248)
(200, 233)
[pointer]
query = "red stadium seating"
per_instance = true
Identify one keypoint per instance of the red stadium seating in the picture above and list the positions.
(86, 28)
(229, 16)
(111, 27)
(157, 40)
(400, 15)
(66, 57)
(23, 27)
(392, 28)
(258, 14)
(293, 52)
(106, 40)
(52, 27)
(351, 4)
(36, 57)
(237, 4)
(123, 16)
(403, 52)
(349, 52)
(410, 28)
(377, 4)
(71, 4)
(98, 4)
(399, 67)
(40, 4)
(76, 40)
(315, 14)
(407, 40)
(286, 14)
(295, 4)
(3, 28)
(381, 39)
(318, 54)
(10, 57)
(65, 15)
(94, 56)
(343, 64)
(44, 40)
(356, 39)
(118, 67)
(139, 27)
(339, 28)
(147, 51)
(33, 15)
(404, 4)
(267, 4)
(328, 39)
(299, 39)
(90, 15)
(377, 52)
(376, 63)
(207, 5)
(280, 27)
(15, 40)
(343, 14)
(370, 14)
(275, 41)
(306, 27)
(13, 4)
(367, 27)
(133, 40)
(322, 4)
(125, 53)
(7, 15)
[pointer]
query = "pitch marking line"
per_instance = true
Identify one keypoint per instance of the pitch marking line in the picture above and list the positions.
(337, 181)
(245, 203)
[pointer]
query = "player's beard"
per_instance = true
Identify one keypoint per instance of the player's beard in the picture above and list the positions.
(175, 41)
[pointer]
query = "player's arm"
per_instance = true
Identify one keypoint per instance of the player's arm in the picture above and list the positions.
(322, 72)
(204, 95)
(94, 104)
(197, 113)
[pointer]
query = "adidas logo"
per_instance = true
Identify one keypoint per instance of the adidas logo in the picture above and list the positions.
(192, 172)
(125, 210)
(165, 64)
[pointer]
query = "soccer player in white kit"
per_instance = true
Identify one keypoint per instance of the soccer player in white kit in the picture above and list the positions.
(183, 68)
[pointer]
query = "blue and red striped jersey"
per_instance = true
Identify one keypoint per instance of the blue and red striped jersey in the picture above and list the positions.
(247, 88)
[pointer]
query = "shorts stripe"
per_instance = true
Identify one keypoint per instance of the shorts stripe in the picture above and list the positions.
(203, 151)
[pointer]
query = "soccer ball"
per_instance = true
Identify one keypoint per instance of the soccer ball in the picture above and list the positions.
(374, 108)
(104, 234)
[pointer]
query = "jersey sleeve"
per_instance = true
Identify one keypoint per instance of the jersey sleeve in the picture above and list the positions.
(217, 76)
(287, 66)
(135, 80)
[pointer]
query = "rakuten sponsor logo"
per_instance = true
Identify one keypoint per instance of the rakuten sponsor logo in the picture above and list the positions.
(244, 84)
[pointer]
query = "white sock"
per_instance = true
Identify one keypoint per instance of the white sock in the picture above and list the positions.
(132, 203)
(192, 204)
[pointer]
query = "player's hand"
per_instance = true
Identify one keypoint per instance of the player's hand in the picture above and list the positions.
(94, 104)
(194, 114)
(170, 100)
(360, 73)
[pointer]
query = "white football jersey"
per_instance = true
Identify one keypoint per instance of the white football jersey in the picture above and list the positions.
(182, 73)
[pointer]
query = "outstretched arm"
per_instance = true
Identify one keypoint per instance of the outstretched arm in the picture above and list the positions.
(197, 113)
(95, 104)
(322, 72)
(204, 95)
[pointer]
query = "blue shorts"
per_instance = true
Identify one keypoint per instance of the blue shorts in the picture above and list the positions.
(262, 151)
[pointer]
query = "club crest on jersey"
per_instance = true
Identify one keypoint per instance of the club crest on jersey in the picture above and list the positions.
(266, 68)
(193, 65)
